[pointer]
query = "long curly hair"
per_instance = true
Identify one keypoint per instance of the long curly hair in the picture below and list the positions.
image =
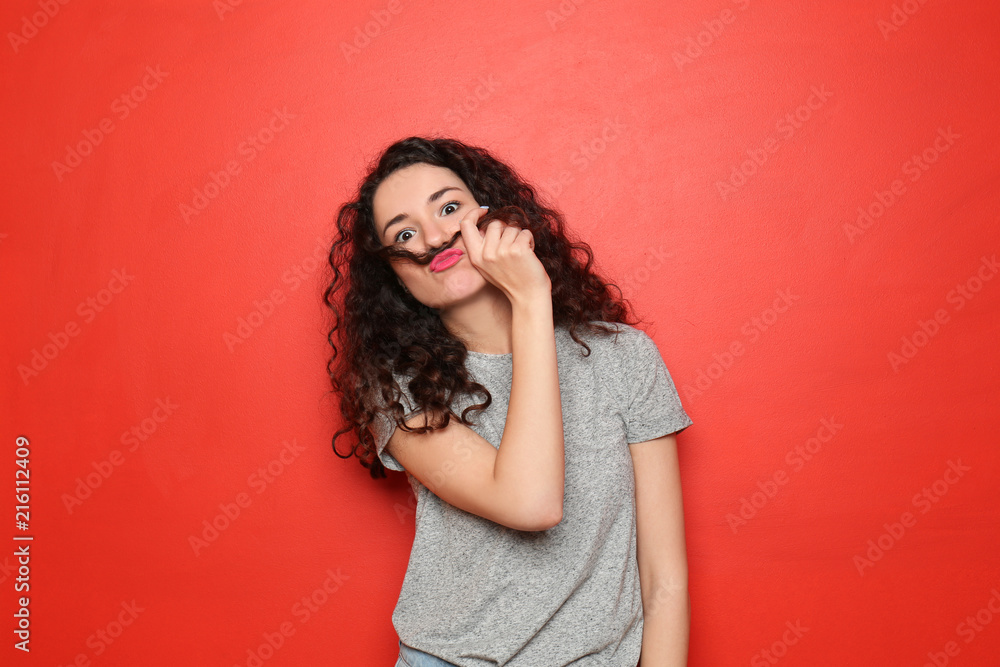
(385, 331)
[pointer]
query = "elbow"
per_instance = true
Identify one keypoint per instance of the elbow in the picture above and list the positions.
(555, 519)
(543, 520)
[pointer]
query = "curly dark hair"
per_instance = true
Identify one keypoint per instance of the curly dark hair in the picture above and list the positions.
(385, 331)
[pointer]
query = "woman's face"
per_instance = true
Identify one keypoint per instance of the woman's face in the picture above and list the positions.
(417, 208)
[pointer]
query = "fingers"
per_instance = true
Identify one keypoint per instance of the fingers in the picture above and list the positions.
(497, 239)
(525, 236)
(512, 236)
(493, 238)
(471, 235)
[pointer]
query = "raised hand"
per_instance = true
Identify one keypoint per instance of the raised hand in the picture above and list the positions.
(504, 255)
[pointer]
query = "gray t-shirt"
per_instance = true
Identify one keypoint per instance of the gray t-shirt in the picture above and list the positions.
(480, 594)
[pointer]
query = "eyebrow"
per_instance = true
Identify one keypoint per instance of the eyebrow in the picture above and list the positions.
(430, 200)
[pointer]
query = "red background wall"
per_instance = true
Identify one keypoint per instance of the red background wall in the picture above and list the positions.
(629, 115)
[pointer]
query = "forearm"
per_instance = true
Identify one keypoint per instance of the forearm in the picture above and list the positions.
(666, 624)
(531, 460)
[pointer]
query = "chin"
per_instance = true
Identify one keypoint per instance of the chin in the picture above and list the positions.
(458, 287)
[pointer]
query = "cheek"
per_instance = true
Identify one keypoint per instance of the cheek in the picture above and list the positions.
(409, 279)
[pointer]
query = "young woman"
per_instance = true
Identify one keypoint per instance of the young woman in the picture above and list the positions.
(549, 525)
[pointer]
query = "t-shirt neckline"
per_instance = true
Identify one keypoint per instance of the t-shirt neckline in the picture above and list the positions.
(486, 356)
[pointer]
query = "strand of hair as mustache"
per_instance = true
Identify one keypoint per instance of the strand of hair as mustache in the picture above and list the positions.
(428, 257)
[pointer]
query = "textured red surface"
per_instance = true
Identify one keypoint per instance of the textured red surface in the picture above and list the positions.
(636, 119)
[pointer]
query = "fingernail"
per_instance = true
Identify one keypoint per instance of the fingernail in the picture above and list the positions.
(486, 207)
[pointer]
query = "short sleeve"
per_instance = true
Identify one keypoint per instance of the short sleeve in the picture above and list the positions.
(654, 407)
(383, 427)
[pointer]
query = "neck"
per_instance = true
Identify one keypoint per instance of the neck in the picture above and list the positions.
(483, 322)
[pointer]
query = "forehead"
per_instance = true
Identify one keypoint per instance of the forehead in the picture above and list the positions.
(406, 190)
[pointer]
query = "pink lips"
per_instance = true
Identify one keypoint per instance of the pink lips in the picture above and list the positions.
(446, 259)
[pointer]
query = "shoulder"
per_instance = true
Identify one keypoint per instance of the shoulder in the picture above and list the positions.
(614, 356)
(625, 355)
(404, 396)
(620, 338)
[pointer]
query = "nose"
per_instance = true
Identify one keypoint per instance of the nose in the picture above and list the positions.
(438, 232)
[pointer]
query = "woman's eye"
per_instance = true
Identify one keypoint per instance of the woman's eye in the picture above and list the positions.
(456, 205)
(399, 237)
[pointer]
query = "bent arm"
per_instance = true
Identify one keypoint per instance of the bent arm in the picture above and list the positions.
(531, 462)
(520, 484)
